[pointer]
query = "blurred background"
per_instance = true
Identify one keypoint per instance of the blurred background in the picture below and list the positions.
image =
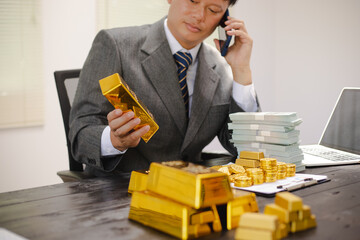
(304, 53)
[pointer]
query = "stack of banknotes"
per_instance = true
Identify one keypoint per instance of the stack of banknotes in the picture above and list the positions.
(273, 133)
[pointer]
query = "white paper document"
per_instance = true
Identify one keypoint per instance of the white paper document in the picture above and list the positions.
(288, 184)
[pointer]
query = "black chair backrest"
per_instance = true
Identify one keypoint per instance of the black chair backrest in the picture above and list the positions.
(66, 83)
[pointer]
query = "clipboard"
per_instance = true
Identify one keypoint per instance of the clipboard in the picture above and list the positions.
(299, 181)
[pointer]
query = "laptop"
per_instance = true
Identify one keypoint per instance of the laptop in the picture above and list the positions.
(340, 141)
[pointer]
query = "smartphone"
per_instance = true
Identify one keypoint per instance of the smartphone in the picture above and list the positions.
(224, 39)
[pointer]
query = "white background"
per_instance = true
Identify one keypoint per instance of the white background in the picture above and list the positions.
(304, 53)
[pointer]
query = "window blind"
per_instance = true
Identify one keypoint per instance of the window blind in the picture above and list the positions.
(21, 84)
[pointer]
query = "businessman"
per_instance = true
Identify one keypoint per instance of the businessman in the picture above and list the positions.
(186, 84)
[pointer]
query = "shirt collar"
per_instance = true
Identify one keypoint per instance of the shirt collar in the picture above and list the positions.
(175, 46)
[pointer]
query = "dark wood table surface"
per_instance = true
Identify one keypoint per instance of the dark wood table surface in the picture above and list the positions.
(98, 209)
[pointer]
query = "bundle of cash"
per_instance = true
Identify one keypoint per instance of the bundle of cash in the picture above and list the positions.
(272, 133)
(182, 199)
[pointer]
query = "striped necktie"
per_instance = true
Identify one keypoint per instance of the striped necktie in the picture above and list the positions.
(183, 61)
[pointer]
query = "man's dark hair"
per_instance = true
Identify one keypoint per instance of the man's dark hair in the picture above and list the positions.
(232, 2)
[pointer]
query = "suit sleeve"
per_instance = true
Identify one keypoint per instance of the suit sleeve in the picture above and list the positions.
(88, 116)
(224, 135)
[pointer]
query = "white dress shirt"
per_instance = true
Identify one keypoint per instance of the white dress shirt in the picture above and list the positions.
(244, 96)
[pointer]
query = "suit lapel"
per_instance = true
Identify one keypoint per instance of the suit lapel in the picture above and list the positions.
(204, 90)
(161, 69)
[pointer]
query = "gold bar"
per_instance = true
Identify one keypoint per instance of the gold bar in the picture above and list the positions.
(202, 217)
(305, 212)
(165, 215)
(242, 202)
(252, 233)
(282, 231)
(216, 226)
(259, 221)
(138, 181)
(233, 213)
(121, 96)
(310, 222)
(297, 226)
(190, 184)
(248, 162)
(251, 155)
(284, 215)
(198, 230)
(288, 201)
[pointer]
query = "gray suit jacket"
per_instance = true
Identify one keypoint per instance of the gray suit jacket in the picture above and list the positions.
(142, 56)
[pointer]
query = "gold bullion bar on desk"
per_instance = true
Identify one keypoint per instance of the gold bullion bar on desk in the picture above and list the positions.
(242, 202)
(169, 216)
(120, 96)
(190, 184)
(251, 155)
(138, 180)
(252, 163)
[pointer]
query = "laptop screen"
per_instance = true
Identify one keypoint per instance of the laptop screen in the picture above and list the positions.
(343, 129)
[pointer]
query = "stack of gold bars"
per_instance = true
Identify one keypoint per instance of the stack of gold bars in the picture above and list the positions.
(291, 212)
(287, 214)
(186, 200)
(253, 168)
(122, 97)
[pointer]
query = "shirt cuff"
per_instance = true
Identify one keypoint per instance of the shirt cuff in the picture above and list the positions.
(107, 149)
(245, 96)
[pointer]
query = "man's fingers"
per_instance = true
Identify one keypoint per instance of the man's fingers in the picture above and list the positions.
(136, 135)
(114, 114)
(133, 138)
(244, 36)
(120, 120)
(122, 125)
(234, 23)
(236, 26)
(124, 129)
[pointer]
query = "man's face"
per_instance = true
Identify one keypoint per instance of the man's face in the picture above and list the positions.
(191, 21)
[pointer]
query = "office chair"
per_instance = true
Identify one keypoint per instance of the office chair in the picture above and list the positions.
(66, 84)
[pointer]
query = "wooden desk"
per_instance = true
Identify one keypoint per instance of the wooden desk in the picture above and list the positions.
(98, 209)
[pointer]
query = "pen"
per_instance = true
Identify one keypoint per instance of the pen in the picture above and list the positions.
(301, 185)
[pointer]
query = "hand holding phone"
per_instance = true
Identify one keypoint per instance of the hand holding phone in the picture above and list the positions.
(224, 39)
(240, 52)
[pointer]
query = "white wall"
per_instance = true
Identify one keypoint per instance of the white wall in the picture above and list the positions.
(30, 157)
(304, 53)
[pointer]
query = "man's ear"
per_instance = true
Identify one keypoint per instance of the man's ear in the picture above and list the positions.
(169, 1)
